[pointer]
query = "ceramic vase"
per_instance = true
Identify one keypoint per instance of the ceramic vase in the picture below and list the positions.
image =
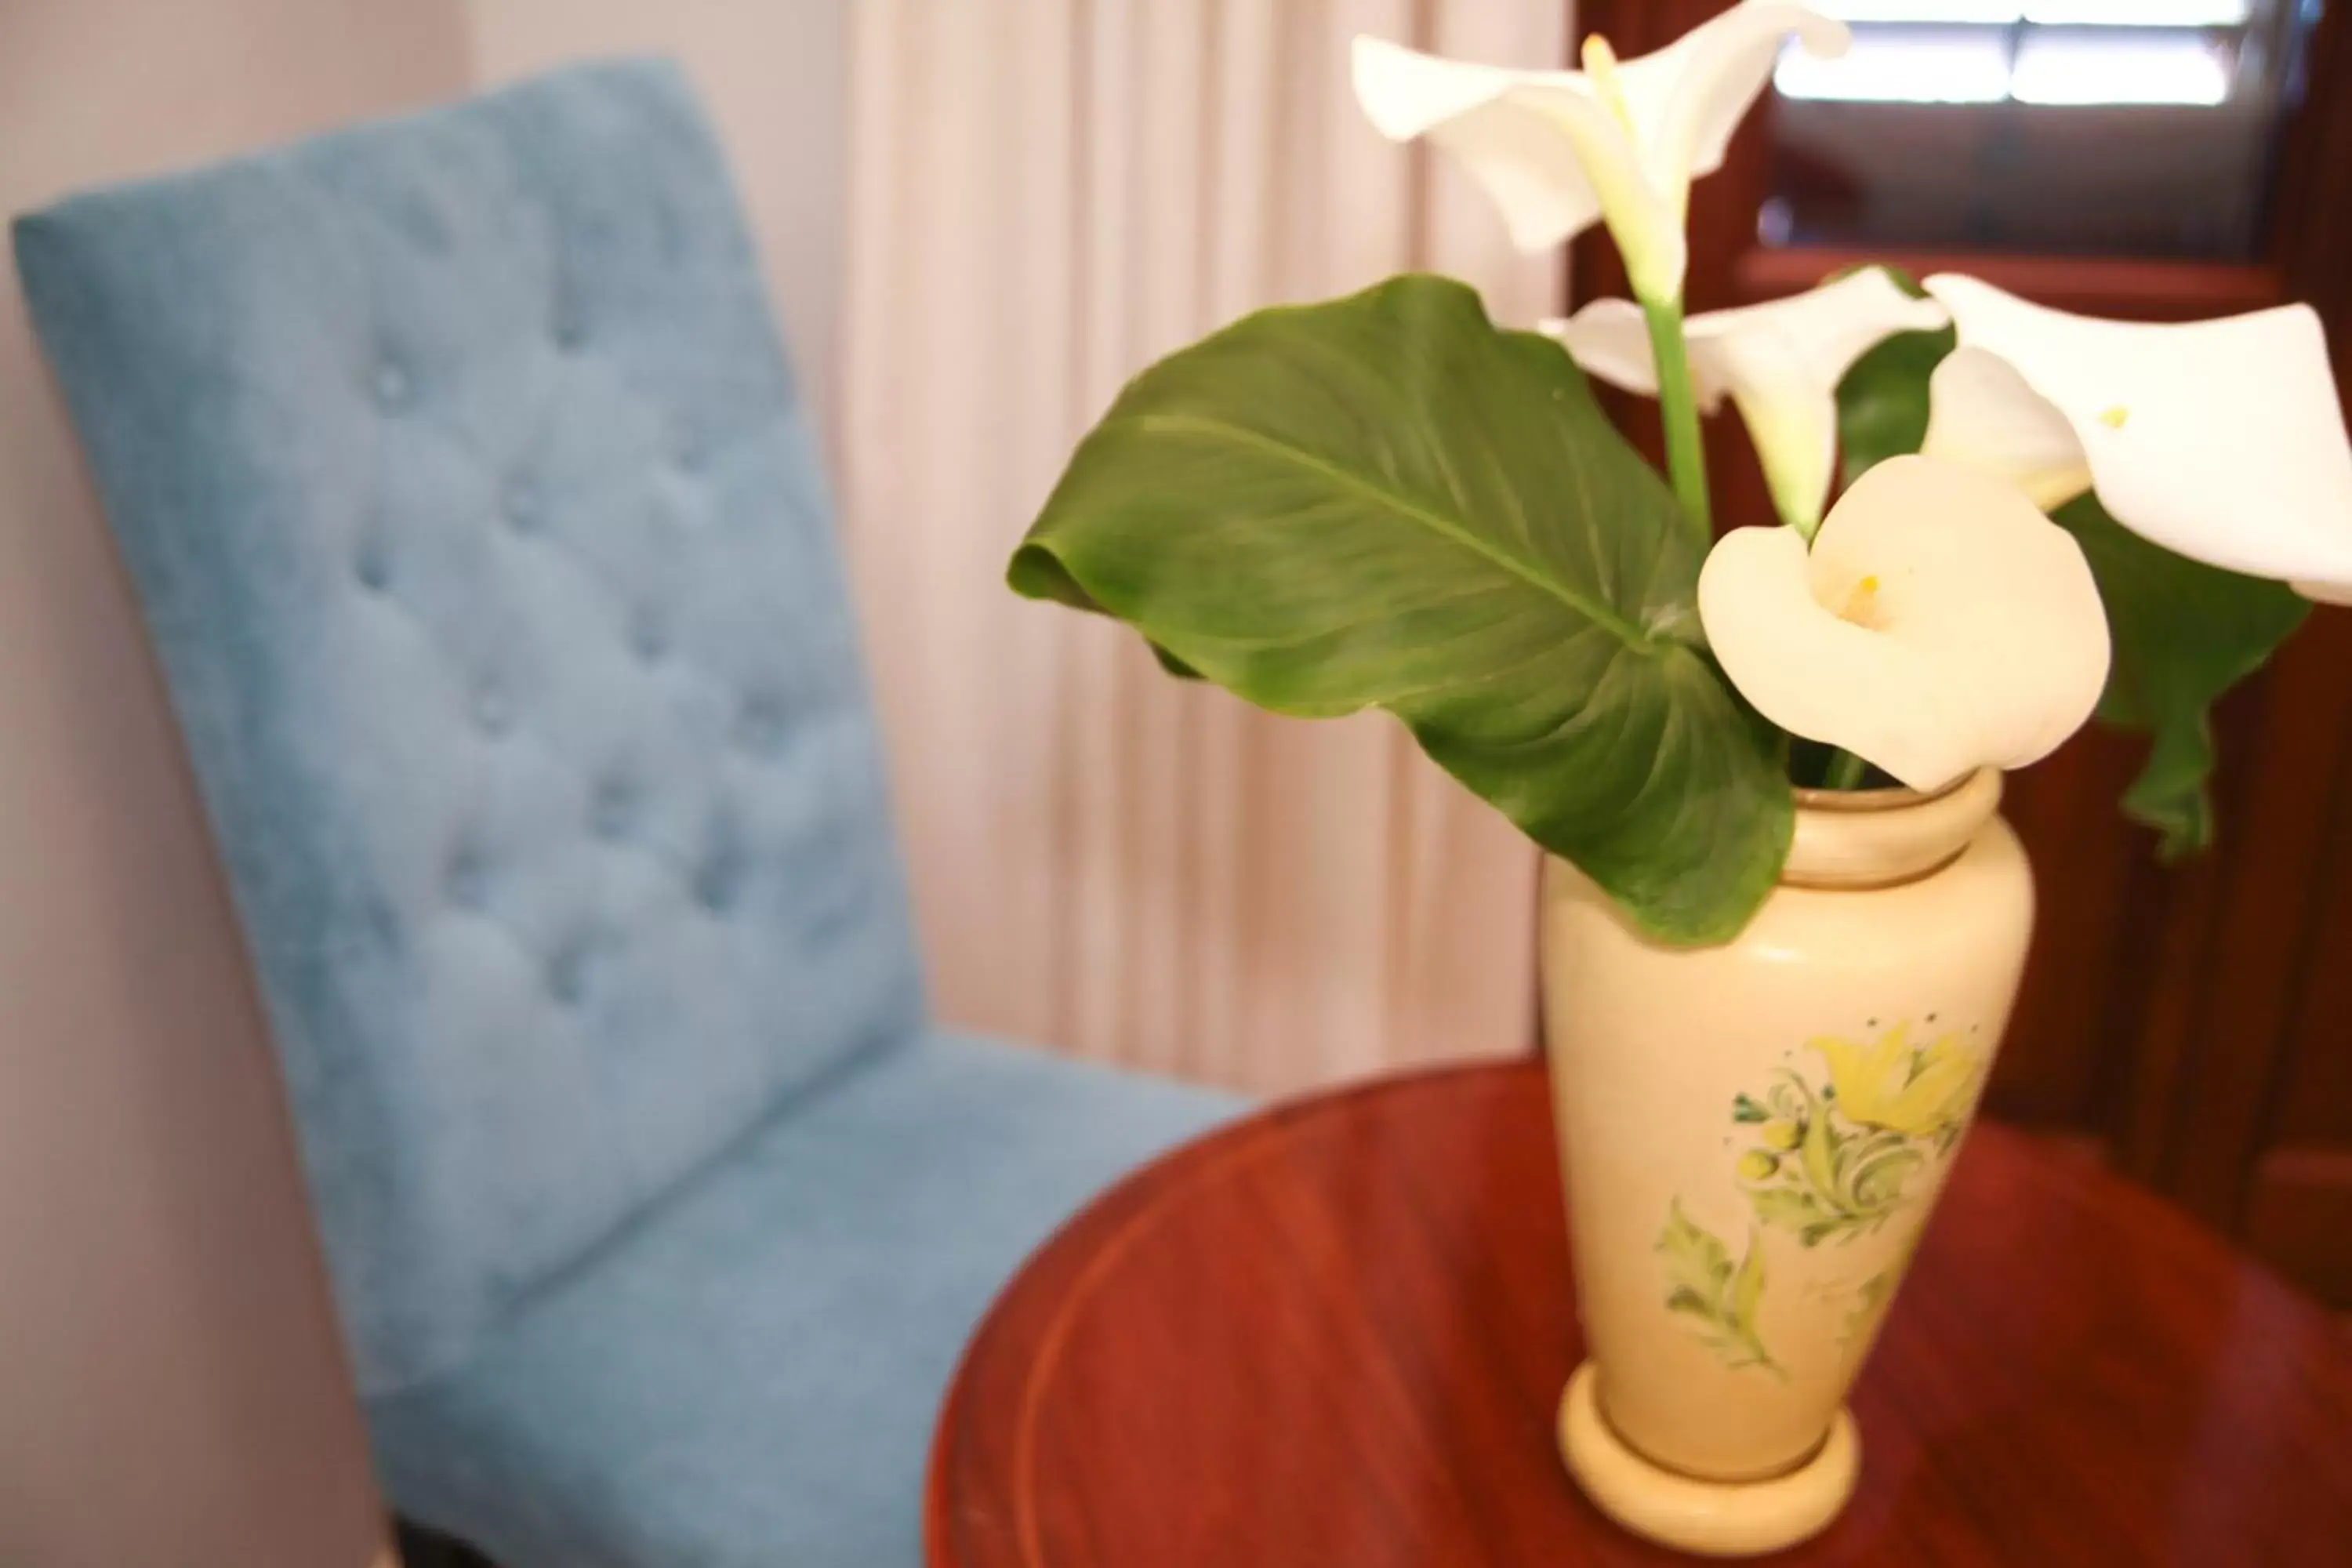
(1753, 1136)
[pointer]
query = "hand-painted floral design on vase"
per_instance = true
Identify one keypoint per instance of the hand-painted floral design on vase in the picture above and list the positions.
(1835, 1159)
(1830, 1160)
(1755, 1134)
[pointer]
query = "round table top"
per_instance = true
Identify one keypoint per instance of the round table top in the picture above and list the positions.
(1336, 1333)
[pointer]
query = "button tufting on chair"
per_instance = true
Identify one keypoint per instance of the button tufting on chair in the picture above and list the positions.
(655, 1235)
(649, 635)
(567, 974)
(468, 879)
(390, 386)
(614, 805)
(715, 885)
(493, 710)
(520, 506)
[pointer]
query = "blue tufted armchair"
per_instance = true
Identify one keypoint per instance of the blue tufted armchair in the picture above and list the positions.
(481, 539)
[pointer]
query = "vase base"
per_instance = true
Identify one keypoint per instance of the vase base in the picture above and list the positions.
(1714, 1519)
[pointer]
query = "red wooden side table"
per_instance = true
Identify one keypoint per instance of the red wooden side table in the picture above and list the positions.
(1334, 1335)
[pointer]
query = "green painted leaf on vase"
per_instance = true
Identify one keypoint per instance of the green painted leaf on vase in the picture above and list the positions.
(2184, 633)
(1747, 1288)
(1869, 1302)
(1876, 1182)
(1703, 1283)
(1386, 501)
(1697, 1263)
(1818, 1153)
(1789, 1208)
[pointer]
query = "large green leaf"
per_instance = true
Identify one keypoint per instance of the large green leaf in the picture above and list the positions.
(2183, 632)
(1881, 404)
(1385, 501)
(1883, 401)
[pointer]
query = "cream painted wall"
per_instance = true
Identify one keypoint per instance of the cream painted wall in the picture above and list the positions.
(171, 1391)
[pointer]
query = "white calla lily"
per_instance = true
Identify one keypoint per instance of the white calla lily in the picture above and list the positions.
(1992, 419)
(2220, 440)
(1617, 142)
(1938, 623)
(1780, 362)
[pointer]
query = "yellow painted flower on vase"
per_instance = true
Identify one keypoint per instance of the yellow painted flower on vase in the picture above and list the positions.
(1920, 1091)
(1937, 623)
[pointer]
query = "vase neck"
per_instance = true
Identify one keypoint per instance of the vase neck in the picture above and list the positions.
(1857, 840)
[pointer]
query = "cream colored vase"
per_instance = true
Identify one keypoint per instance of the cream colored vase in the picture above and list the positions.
(1753, 1135)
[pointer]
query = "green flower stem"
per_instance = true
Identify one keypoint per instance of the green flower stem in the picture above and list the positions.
(1678, 411)
(1846, 770)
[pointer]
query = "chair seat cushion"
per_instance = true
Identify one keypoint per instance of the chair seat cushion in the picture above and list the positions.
(748, 1374)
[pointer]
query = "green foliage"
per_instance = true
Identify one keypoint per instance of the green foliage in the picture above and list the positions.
(1881, 404)
(2183, 633)
(1883, 401)
(1722, 1298)
(1385, 501)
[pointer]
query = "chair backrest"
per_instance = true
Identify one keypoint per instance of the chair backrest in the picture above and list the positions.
(488, 557)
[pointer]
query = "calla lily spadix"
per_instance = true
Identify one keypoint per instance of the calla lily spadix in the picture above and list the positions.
(1938, 623)
(2220, 440)
(1780, 362)
(1620, 143)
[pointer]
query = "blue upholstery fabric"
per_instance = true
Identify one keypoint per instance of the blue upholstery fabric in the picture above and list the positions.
(751, 1376)
(487, 558)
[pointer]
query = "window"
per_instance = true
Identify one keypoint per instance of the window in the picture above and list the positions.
(2130, 127)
